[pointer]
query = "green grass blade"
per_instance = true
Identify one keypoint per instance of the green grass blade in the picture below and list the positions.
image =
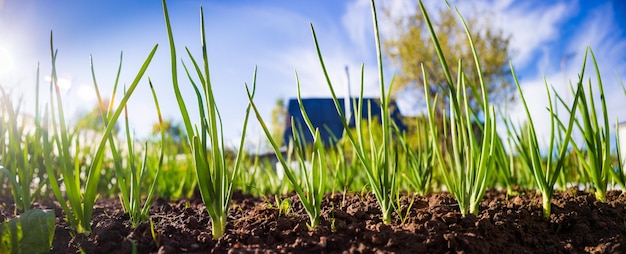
(179, 98)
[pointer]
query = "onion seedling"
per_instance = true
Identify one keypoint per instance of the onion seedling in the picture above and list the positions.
(20, 151)
(466, 163)
(417, 166)
(129, 181)
(596, 159)
(80, 199)
(207, 143)
(378, 163)
(545, 173)
(309, 182)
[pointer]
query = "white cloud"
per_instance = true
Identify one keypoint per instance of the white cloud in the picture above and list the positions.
(312, 80)
(357, 21)
(537, 101)
(531, 25)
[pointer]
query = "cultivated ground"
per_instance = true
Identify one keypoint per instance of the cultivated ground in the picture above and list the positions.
(352, 224)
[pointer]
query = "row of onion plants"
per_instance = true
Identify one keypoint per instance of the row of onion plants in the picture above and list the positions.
(457, 149)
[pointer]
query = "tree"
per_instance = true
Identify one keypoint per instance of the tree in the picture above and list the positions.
(413, 46)
(174, 130)
(174, 136)
(93, 120)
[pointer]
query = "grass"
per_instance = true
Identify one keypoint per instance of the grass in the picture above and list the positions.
(463, 152)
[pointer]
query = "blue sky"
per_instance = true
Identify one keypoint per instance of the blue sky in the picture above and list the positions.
(275, 37)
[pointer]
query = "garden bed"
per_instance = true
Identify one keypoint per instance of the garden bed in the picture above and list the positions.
(512, 224)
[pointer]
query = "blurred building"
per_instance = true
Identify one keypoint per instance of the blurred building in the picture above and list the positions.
(323, 115)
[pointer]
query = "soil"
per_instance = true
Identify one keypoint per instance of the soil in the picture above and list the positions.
(352, 224)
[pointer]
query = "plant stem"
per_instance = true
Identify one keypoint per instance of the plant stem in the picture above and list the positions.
(600, 195)
(546, 197)
(387, 217)
(219, 226)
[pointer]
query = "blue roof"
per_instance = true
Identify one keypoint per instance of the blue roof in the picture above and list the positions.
(323, 115)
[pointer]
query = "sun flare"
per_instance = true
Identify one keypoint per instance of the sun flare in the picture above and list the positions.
(6, 60)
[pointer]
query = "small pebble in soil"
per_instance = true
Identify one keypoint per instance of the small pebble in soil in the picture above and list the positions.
(323, 242)
(166, 250)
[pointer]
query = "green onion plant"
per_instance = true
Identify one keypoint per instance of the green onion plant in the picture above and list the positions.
(213, 177)
(20, 153)
(130, 180)
(597, 157)
(21, 150)
(309, 181)
(81, 194)
(379, 166)
(527, 145)
(416, 166)
(341, 164)
(467, 163)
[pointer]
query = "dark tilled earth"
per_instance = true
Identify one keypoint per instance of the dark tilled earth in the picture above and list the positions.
(352, 224)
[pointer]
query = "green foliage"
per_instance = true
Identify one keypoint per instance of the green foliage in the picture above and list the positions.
(340, 160)
(130, 179)
(31, 232)
(618, 172)
(511, 172)
(178, 177)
